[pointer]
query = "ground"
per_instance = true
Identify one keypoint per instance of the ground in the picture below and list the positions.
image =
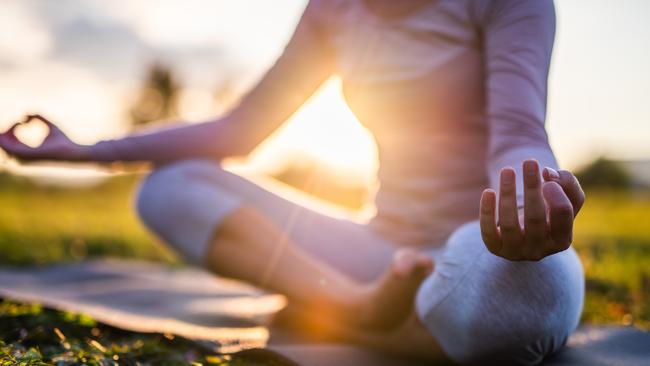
(41, 225)
(33, 336)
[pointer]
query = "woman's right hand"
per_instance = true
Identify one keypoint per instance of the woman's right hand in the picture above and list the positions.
(55, 146)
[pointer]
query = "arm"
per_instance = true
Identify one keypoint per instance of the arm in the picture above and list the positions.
(535, 216)
(518, 38)
(303, 66)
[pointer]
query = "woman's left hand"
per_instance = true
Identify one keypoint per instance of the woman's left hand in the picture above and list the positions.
(55, 146)
(543, 226)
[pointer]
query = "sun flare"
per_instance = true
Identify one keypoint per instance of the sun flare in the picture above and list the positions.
(324, 129)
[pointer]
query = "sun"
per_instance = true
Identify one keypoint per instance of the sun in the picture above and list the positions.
(324, 128)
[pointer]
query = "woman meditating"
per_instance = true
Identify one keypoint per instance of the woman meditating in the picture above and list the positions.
(455, 95)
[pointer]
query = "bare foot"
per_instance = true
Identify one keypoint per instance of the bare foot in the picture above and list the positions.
(385, 303)
(378, 306)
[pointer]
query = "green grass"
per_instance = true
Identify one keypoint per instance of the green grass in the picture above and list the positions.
(40, 225)
(613, 239)
(33, 336)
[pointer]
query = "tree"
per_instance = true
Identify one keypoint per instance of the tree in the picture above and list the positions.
(604, 173)
(158, 98)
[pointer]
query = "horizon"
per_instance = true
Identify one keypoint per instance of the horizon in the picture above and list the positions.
(81, 61)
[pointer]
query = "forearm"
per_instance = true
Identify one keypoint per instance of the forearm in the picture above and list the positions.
(518, 40)
(213, 140)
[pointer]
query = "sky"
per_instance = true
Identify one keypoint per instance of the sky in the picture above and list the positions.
(81, 63)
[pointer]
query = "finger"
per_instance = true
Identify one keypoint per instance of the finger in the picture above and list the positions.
(572, 188)
(14, 147)
(53, 128)
(534, 207)
(550, 175)
(11, 130)
(560, 213)
(511, 236)
(487, 219)
(38, 117)
(569, 184)
(8, 137)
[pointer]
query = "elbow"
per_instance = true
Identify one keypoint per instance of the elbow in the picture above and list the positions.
(238, 149)
(239, 154)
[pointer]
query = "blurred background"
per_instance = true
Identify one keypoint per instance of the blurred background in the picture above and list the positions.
(103, 68)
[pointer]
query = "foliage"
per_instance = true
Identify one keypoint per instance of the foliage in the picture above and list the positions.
(613, 239)
(158, 98)
(604, 173)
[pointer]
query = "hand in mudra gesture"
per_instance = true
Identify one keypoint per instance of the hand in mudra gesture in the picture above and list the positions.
(543, 226)
(55, 146)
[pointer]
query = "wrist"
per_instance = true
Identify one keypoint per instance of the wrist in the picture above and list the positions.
(82, 153)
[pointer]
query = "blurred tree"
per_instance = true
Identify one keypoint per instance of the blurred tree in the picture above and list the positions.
(604, 173)
(317, 178)
(225, 95)
(158, 98)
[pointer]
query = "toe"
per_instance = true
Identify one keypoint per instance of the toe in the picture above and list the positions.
(408, 262)
(404, 262)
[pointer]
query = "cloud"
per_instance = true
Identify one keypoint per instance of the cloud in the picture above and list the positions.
(110, 49)
(23, 38)
(85, 106)
(107, 37)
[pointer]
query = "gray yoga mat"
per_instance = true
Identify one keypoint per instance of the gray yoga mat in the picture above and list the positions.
(231, 316)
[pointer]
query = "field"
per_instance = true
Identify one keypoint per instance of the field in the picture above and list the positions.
(41, 225)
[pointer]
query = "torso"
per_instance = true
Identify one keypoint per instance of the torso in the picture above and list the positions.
(416, 82)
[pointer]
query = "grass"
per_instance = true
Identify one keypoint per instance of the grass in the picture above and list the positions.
(43, 225)
(33, 336)
(613, 240)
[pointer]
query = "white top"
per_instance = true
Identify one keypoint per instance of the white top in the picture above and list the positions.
(453, 90)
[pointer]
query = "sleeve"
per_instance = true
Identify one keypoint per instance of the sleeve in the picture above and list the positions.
(518, 41)
(302, 67)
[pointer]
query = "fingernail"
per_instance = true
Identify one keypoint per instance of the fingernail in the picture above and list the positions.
(552, 174)
(530, 167)
(507, 175)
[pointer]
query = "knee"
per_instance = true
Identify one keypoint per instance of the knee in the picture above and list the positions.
(182, 204)
(480, 306)
(164, 188)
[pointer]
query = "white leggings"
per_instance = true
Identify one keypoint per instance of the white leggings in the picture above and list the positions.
(475, 304)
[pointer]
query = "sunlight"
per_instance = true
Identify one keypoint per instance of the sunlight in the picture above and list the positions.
(324, 129)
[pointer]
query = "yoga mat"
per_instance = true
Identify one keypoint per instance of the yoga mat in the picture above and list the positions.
(230, 316)
(147, 297)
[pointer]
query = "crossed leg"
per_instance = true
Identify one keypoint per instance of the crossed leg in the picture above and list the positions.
(350, 280)
(334, 267)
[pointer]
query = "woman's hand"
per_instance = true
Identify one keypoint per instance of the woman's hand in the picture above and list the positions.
(55, 146)
(545, 224)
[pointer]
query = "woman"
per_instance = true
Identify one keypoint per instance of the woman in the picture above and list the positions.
(455, 95)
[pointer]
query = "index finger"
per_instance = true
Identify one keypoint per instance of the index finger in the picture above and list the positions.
(569, 184)
(573, 190)
(560, 215)
(30, 117)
